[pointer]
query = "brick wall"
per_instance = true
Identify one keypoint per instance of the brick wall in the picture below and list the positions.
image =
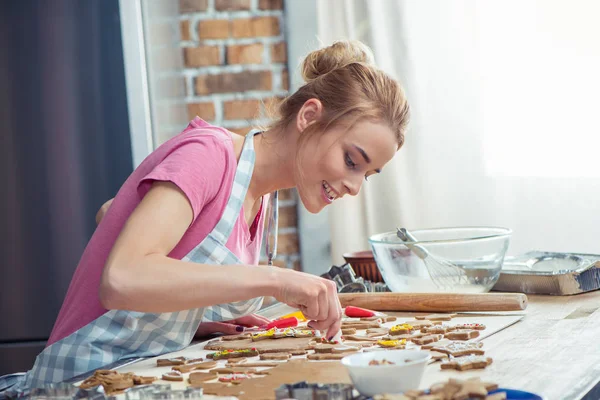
(235, 59)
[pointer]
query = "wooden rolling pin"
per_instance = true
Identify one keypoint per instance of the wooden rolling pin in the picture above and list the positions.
(435, 302)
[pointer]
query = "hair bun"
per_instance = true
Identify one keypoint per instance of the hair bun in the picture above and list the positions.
(338, 55)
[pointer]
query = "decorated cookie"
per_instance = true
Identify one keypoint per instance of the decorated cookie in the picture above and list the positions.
(344, 349)
(401, 329)
(225, 354)
(438, 329)
(476, 327)
(419, 324)
(263, 335)
(466, 363)
(461, 335)
(326, 356)
(392, 344)
(459, 349)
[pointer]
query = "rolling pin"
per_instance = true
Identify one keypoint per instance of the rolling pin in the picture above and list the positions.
(435, 302)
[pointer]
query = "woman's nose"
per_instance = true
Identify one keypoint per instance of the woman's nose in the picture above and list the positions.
(353, 185)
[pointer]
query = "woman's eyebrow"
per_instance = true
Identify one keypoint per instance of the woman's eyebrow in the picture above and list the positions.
(365, 156)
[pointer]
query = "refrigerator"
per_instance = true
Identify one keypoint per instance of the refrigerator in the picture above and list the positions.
(65, 148)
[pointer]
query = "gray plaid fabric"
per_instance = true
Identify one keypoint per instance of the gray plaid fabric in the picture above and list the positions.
(122, 334)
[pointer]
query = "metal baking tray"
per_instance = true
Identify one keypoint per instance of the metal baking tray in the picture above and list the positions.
(541, 272)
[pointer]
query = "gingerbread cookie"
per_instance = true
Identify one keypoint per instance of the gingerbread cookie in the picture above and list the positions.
(419, 324)
(344, 349)
(440, 343)
(371, 332)
(326, 356)
(476, 327)
(466, 363)
(436, 317)
(175, 376)
(401, 329)
(438, 329)
(167, 362)
(197, 378)
(298, 352)
(226, 354)
(359, 338)
(427, 339)
(260, 364)
(236, 337)
(348, 331)
(275, 356)
(392, 344)
(263, 335)
(185, 368)
(437, 356)
(323, 348)
(460, 349)
(461, 335)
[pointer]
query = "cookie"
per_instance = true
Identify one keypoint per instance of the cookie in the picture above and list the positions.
(323, 348)
(167, 362)
(467, 362)
(174, 376)
(275, 356)
(427, 339)
(419, 324)
(376, 332)
(392, 344)
(460, 349)
(472, 388)
(438, 329)
(326, 356)
(436, 317)
(278, 350)
(496, 396)
(298, 352)
(302, 333)
(234, 370)
(225, 354)
(437, 356)
(461, 335)
(348, 331)
(344, 349)
(197, 378)
(194, 366)
(476, 327)
(359, 338)
(401, 329)
(440, 343)
(143, 380)
(263, 335)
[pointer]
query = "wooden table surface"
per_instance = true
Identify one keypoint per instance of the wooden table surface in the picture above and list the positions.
(554, 351)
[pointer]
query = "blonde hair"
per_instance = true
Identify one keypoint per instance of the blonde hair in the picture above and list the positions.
(342, 76)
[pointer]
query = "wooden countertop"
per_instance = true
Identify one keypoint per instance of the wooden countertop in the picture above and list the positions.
(553, 351)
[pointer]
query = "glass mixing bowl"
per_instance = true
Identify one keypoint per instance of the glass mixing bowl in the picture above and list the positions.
(461, 260)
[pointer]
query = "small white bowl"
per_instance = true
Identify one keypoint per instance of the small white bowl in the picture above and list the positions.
(405, 374)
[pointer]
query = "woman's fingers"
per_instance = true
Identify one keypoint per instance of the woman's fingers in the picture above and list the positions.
(252, 320)
(207, 328)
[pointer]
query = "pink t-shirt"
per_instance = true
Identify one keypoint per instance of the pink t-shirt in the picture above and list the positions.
(202, 162)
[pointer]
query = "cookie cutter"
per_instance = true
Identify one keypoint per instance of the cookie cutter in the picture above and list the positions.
(315, 391)
(540, 272)
(347, 282)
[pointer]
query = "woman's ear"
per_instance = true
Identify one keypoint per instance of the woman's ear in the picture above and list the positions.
(309, 113)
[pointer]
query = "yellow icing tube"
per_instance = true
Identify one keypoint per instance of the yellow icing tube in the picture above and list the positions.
(297, 314)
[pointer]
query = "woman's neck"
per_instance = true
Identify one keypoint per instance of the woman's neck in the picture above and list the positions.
(274, 165)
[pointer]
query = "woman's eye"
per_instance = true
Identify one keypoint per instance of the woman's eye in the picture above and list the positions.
(349, 161)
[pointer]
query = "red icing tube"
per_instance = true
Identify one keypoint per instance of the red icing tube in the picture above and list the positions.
(282, 323)
(357, 312)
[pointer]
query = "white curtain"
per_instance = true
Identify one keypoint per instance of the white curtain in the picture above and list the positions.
(505, 129)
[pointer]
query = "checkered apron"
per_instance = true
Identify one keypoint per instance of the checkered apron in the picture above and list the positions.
(123, 334)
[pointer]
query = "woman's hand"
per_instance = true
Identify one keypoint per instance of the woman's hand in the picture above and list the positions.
(316, 297)
(232, 327)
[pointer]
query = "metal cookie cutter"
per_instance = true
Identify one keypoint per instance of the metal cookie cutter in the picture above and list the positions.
(314, 391)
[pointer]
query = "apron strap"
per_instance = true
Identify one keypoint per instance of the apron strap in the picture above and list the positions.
(243, 175)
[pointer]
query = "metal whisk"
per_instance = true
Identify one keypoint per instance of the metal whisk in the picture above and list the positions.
(443, 273)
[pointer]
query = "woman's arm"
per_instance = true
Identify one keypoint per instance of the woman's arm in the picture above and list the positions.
(139, 276)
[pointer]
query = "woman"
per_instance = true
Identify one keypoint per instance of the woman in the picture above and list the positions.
(180, 242)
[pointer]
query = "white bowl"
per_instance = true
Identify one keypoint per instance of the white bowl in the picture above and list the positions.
(405, 374)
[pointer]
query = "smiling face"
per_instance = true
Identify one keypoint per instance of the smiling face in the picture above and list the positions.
(338, 161)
